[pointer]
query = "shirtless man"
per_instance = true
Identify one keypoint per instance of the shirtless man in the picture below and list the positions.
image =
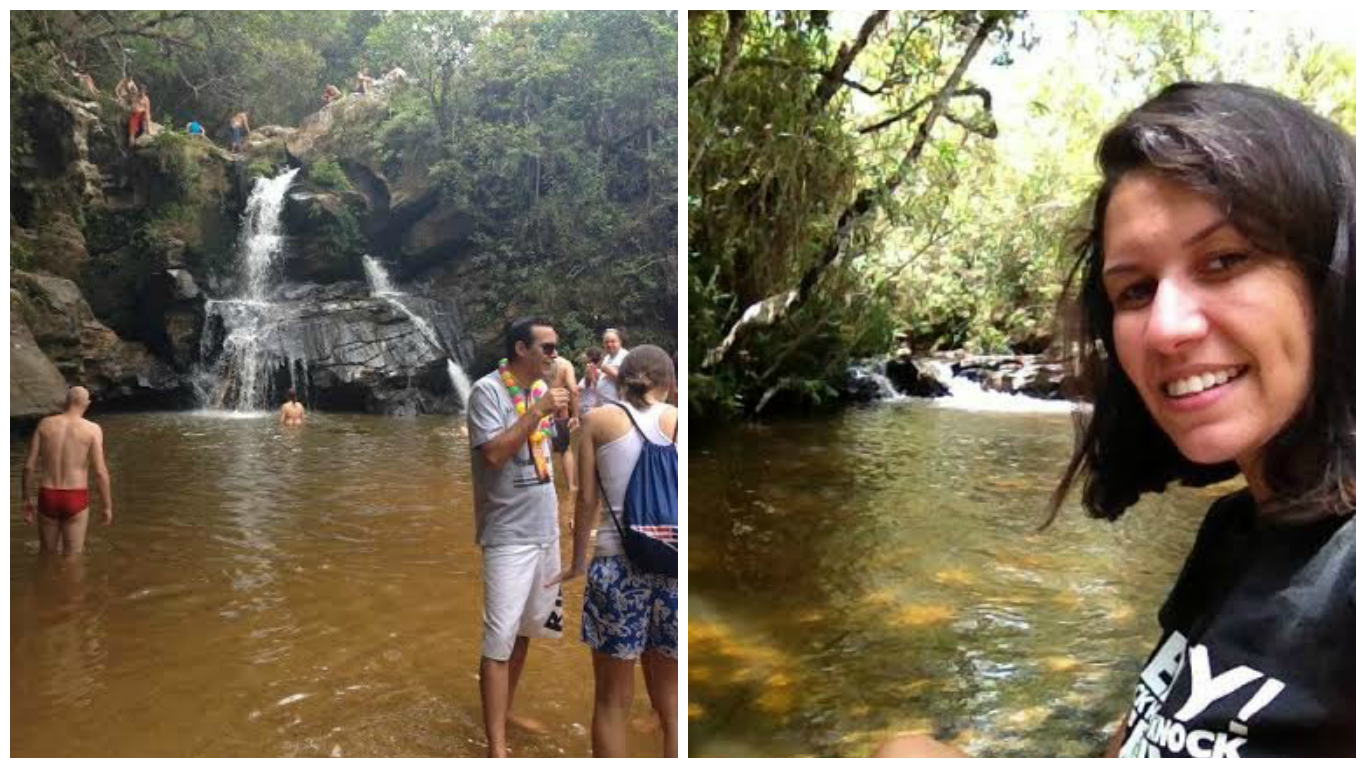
(126, 92)
(63, 448)
(364, 82)
(292, 412)
(566, 421)
(140, 121)
(241, 127)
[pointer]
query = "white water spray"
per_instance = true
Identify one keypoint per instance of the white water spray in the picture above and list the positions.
(381, 287)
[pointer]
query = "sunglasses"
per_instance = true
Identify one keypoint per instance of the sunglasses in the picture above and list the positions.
(548, 347)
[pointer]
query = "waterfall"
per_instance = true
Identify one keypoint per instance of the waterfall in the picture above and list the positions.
(382, 288)
(241, 380)
(262, 241)
(968, 395)
(870, 377)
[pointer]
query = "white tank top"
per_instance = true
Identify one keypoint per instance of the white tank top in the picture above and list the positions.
(616, 461)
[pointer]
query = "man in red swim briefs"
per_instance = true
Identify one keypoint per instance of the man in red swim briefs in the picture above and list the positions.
(64, 446)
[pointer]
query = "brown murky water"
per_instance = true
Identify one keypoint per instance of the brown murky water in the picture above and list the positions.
(879, 571)
(277, 591)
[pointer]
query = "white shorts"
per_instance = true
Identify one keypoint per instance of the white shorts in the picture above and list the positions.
(516, 601)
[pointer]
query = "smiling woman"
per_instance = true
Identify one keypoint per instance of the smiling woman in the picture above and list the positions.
(1223, 244)
(1216, 331)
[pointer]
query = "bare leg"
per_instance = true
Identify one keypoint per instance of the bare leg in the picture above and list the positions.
(515, 664)
(49, 534)
(614, 680)
(73, 533)
(493, 691)
(661, 681)
(497, 683)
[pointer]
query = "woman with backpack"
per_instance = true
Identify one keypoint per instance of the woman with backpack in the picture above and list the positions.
(630, 604)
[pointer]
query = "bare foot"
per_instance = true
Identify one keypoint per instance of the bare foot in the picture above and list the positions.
(528, 724)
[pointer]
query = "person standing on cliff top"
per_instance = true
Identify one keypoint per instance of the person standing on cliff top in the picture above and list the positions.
(64, 446)
(241, 127)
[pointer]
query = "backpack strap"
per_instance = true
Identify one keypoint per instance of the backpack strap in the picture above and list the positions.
(598, 473)
(627, 411)
(616, 521)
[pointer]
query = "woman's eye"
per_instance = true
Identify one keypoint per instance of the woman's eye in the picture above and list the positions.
(1134, 295)
(1226, 261)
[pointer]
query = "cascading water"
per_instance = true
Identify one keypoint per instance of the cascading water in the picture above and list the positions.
(338, 345)
(964, 393)
(381, 287)
(250, 320)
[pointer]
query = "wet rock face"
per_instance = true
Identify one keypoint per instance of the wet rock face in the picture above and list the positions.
(325, 234)
(909, 379)
(340, 348)
(1015, 375)
(85, 351)
(36, 387)
(125, 250)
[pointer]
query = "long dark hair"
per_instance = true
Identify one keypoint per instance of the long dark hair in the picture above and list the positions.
(1287, 179)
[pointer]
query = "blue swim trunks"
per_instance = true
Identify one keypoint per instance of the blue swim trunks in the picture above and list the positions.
(626, 612)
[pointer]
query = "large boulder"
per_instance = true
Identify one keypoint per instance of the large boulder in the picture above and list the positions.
(36, 387)
(86, 351)
(325, 235)
(910, 379)
(344, 349)
(59, 246)
(173, 317)
(1016, 375)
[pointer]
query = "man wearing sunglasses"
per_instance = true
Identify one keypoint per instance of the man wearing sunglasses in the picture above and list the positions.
(516, 513)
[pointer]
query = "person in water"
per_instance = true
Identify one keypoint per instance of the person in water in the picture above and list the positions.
(1216, 323)
(59, 459)
(566, 422)
(292, 412)
(516, 513)
(628, 614)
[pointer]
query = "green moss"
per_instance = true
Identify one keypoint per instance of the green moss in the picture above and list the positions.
(339, 232)
(327, 174)
(20, 255)
(260, 168)
(177, 164)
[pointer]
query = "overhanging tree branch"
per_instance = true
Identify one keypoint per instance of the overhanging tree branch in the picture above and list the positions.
(834, 77)
(988, 130)
(773, 309)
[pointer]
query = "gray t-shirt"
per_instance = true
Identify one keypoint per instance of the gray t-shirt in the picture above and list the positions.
(511, 505)
(607, 389)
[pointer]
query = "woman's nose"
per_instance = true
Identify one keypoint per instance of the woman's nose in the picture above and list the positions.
(1177, 316)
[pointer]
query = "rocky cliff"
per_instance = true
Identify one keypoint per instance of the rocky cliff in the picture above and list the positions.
(125, 263)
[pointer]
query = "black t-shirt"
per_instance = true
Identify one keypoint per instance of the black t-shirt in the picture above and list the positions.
(1258, 649)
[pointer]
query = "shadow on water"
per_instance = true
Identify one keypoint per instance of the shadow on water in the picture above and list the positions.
(880, 571)
(277, 591)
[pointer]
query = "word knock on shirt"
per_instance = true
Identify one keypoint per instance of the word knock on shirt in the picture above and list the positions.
(1157, 733)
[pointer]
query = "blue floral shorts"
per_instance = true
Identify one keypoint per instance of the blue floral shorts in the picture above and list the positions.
(626, 612)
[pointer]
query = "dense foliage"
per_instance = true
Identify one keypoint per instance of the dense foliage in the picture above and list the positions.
(833, 211)
(556, 132)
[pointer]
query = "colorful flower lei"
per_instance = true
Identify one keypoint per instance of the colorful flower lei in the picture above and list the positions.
(519, 400)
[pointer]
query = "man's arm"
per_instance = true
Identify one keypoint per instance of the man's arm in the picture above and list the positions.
(503, 446)
(284, 413)
(30, 475)
(573, 387)
(102, 474)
